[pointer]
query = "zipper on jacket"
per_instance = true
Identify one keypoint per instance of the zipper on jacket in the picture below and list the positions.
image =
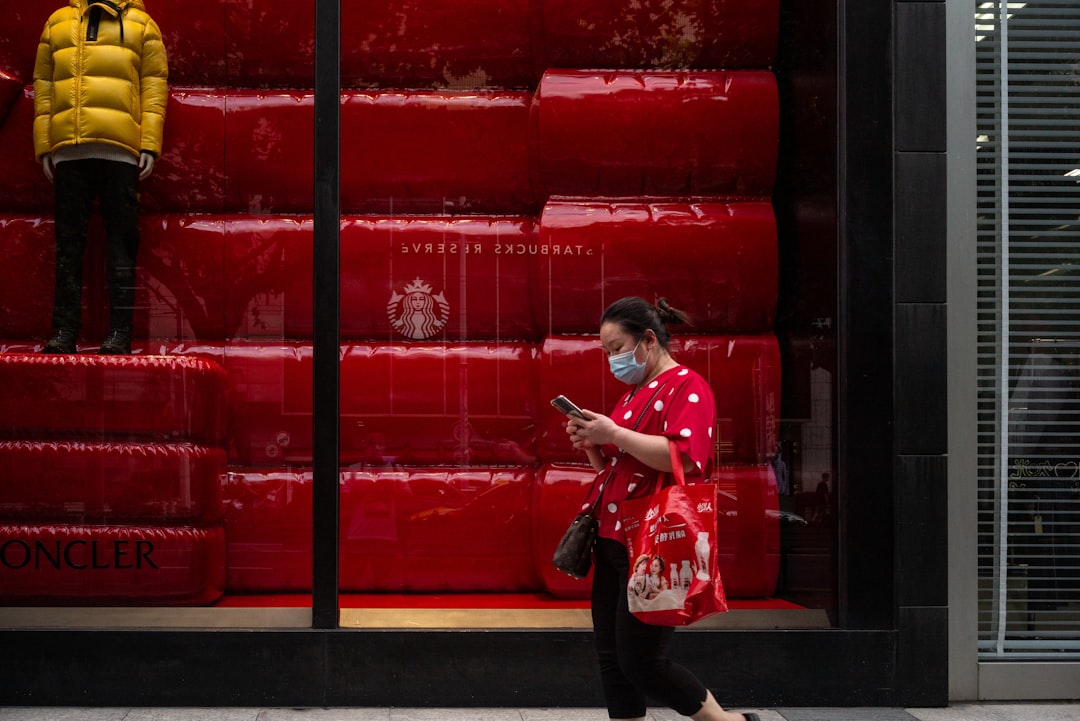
(77, 74)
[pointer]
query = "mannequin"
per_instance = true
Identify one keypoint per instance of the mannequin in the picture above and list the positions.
(98, 143)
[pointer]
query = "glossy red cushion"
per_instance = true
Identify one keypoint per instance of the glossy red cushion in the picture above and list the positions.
(717, 260)
(465, 403)
(675, 33)
(743, 371)
(748, 527)
(415, 529)
(451, 43)
(114, 398)
(109, 483)
(655, 133)
(110, 565)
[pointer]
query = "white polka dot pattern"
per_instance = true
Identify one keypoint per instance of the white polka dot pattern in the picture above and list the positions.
(681, 412)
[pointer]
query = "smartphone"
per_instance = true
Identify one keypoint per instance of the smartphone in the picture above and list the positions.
(565, 405)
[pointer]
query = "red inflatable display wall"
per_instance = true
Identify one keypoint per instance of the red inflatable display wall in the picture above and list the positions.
(177, 482)
(507, 170)
(438, 43)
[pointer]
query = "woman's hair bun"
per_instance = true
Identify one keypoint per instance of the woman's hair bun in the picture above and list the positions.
(669, 315)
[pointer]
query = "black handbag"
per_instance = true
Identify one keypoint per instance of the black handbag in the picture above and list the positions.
(574, 553)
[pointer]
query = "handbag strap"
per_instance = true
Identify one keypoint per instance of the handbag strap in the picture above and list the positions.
(676, 464)
(641, 416)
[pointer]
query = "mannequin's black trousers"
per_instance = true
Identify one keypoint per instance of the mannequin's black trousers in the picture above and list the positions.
(634, 665)
(115, 186)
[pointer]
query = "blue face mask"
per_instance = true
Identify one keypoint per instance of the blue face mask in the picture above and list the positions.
(626, 368)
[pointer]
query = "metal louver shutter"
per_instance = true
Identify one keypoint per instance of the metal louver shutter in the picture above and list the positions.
(1028, 184)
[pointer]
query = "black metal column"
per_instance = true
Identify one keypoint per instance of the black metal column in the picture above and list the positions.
(327, 304)
(866, 412)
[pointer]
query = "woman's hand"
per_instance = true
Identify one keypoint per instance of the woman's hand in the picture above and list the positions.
(593, 431)
(581, 438)
(577, 439)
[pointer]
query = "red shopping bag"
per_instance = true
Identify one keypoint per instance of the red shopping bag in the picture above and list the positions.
(671, 541)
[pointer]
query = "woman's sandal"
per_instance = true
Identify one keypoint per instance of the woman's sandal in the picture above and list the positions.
(751, 717)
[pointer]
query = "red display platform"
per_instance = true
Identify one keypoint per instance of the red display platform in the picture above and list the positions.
(110, 565)
(112, 397)
(106, 483)
(92, 442)
(162, 398)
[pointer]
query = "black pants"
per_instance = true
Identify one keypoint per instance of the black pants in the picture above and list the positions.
(115, 185)
(633, 655)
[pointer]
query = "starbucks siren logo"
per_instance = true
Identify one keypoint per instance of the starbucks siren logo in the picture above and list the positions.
(418, 314)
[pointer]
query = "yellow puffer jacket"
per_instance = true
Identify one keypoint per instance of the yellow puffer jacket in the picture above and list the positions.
(101, 76)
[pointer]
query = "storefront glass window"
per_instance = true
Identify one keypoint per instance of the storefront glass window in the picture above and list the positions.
(1029, 386)
(166, 485)
(506, 174)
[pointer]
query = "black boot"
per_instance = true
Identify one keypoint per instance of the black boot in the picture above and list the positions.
(118, 342)
(63, 341)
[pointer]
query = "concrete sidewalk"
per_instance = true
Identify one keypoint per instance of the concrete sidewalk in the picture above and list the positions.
(956, 712)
